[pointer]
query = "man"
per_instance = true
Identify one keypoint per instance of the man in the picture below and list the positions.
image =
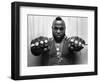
(59, 50)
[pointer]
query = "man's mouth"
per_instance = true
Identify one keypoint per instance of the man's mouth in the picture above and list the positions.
(58, 35)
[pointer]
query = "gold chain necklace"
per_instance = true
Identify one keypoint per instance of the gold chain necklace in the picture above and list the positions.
(59, 51)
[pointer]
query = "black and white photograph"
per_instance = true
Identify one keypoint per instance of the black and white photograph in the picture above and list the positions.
(57, 40)
(53, 40)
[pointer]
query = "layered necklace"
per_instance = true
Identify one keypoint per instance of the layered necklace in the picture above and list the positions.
(59, 47)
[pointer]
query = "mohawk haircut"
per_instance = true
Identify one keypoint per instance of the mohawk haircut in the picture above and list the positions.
(58, 18)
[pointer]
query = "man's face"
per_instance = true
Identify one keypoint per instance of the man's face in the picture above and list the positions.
(58, 29)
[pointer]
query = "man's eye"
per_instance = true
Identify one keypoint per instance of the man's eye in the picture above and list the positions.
(56, 28)
(61, 29)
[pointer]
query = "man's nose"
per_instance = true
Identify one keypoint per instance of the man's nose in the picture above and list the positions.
(58, 31)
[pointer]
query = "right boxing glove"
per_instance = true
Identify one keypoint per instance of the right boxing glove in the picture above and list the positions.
(39, 45)
(76, 43)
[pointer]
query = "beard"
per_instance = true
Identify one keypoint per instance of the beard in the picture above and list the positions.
(58, 39)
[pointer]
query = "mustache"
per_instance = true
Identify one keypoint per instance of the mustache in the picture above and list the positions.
(59, 34)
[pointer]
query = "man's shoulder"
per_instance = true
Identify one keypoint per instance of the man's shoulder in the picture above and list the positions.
(50, 39)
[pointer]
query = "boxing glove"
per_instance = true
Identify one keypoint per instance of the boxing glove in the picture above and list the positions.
(39, 45)
(76, 43)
